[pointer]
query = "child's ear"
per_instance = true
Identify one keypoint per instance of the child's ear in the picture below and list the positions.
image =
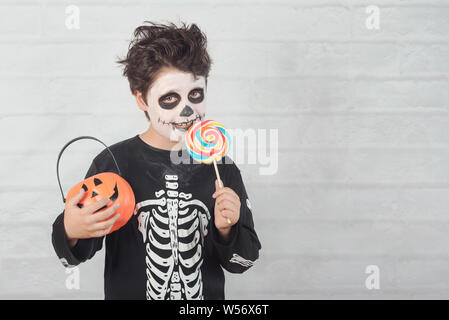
(140, 101)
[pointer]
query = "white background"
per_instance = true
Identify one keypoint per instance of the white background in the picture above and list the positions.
(363, 120)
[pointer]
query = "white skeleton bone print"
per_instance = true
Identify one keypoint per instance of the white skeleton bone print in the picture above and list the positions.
(173, 227)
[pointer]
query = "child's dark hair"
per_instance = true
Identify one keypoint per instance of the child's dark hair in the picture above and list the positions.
(157, 45)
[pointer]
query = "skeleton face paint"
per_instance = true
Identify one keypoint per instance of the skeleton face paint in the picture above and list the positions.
(176, 100)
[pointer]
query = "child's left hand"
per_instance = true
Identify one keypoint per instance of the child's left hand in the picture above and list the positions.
(227, 208)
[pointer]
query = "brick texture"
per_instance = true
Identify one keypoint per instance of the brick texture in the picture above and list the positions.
(362, 118)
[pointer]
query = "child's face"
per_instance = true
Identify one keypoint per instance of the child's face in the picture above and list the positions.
(176, 100)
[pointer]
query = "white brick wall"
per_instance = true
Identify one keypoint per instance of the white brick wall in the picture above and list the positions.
(363, 119)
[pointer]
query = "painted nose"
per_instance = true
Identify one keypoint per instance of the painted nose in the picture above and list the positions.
(187, 111)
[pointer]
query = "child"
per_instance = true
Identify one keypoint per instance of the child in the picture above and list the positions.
(184, 230)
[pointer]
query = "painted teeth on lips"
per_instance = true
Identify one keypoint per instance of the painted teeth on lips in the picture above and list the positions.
(184, 125)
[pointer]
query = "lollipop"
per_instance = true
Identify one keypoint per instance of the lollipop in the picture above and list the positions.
(207, 142)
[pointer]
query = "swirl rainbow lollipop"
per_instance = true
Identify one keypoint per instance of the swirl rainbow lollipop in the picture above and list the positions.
(207, 142)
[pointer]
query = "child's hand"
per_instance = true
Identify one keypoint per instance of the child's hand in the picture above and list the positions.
(83, 223)
(227, 208)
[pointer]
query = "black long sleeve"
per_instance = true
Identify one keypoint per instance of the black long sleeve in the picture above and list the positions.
(170, 247)
(242, 249)
(84, 248)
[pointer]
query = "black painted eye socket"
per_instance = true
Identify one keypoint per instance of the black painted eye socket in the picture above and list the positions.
(196, 95)
(169, 100)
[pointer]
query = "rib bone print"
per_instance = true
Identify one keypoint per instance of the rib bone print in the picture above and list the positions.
(173, 227)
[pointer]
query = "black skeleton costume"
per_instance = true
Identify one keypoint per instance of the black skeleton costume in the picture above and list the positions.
(170, 248)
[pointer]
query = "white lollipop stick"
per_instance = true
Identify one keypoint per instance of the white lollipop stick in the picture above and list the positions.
(220, 183)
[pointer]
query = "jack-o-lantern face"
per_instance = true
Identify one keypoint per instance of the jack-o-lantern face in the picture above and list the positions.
(98, 188)
(107, 185)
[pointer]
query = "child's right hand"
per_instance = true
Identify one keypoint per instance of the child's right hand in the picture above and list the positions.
(83, 223)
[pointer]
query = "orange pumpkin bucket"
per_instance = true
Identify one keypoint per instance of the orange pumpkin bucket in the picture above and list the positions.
(103, 185)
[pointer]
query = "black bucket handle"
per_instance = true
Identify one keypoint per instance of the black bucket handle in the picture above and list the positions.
(69, 143)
